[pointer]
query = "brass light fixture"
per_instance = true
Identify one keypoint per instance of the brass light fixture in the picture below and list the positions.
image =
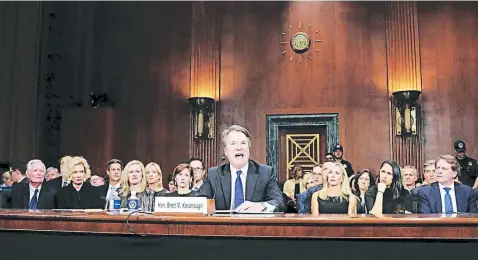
(406, 112)
(203, 117)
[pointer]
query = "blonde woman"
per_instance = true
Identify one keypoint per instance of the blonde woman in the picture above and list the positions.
(79, 193)
(133, 178)
(154, 180)
(7, 179)
(336, 196)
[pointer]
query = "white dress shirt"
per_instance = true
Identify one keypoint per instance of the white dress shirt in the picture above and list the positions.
(32, 191)
(452, 195)
(111, 189)
(233, 183)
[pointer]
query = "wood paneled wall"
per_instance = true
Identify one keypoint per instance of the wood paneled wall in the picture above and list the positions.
(449, 51)
(145, 55)
(348, 75)
(206, 73)
(403, 73)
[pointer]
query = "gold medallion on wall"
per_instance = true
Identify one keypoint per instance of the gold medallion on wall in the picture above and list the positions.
(300, 41)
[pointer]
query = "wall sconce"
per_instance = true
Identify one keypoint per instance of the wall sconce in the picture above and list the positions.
(203, 117)
(406, 112)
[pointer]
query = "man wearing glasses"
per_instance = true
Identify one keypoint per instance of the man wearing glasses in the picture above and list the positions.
(199, 174)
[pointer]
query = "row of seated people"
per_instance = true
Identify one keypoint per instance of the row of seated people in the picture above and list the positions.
(328, 189)
(33, 192)
(244, 185)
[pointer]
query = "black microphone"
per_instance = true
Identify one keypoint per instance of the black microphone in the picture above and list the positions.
(216, 183)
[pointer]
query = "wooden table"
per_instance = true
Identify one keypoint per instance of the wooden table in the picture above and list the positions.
(232, 231)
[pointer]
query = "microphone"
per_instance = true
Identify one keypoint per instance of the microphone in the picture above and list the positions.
(106, 204)
(216, 183)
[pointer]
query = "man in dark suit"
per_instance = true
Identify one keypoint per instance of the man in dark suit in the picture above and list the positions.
(446, 195)
(242, 184)
(34, 195)
(17, 171)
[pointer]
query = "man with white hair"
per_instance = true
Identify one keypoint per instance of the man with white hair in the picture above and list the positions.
(34, 195)
(52, 173)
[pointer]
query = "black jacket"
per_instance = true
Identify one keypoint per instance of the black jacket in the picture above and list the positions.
(20, 197)
(88, 197)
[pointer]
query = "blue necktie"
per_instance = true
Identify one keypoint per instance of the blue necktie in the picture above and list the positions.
(448, 203)
(34, 200)
(238, 193)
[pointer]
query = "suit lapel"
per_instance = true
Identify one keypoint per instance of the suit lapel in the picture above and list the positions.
(42, 197)
(225, 176)
(437, 197)
(458, 198)
(251, 181)
(26, 197)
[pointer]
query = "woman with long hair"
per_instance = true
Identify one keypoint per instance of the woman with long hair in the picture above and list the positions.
(387, 196)
(154, 180)
(335, 196)
(133, 178)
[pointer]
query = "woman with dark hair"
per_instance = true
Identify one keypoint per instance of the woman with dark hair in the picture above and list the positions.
(182, 177)
(387, 196)
(363, 181)
(294, 186)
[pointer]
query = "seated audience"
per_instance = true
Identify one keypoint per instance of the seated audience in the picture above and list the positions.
(304, 199)
(7, 179)
(199, 172)
(57, 183)
(429, 172)
(18, 173)
(317, 174)
(154, 180)
(79, 193)
(446, 195)
(182, 180)
(33, 195)
(171, 184)
(364, 180)
(329, 157)
(114, 168)
(409, 179)
(335, 197)
(308, 181)
(294, 186)
(133, 178)
(97, 181)
(387, 197)
(51, 173)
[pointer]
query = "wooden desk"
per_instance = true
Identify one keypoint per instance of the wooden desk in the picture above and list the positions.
(231, 231)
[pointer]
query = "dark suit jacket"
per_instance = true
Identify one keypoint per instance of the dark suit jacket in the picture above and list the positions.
(55, 183)
(20, 197)
(261, 186)
(430, 199)
(23, 182)
(88, 197)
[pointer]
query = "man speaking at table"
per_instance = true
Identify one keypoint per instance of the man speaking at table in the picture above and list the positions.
(241, 184)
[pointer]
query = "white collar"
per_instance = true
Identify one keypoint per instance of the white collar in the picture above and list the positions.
(243, 170)
(452, 186)
(115, 186)
(32, 189)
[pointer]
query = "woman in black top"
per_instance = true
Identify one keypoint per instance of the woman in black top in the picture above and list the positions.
(387, 196)
(79, 194)
(182, 179)
(336, 196)
(363, 181)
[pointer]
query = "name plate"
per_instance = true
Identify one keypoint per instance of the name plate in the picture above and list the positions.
(199, 205)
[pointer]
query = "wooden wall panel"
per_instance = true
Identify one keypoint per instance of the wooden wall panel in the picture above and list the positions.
(138, 53)
(205, 72)
(449, 44)
(403, 73)
(348, 75)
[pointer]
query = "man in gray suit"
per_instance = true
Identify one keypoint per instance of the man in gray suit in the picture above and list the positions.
(241, 184)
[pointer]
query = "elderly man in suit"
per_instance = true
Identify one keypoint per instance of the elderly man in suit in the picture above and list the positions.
(241, 184)
(446, 195)
(34, 195)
